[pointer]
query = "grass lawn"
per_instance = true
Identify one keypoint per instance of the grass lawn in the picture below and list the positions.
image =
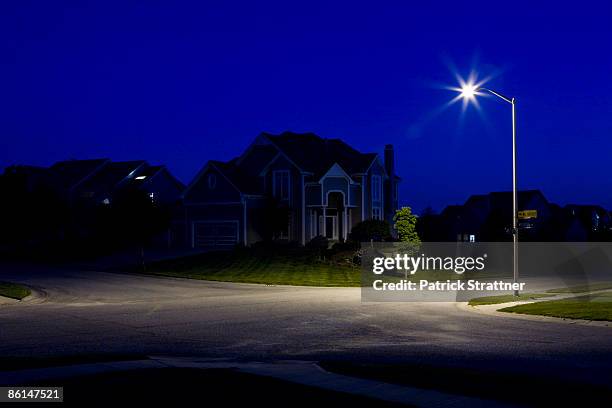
(13, 290)
(273, 267)
(583, 288)
(493, 300)
(590, 307)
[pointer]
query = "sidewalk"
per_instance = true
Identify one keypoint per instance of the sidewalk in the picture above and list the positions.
(300, 372)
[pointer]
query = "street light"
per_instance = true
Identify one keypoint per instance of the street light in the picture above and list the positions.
(469, 91)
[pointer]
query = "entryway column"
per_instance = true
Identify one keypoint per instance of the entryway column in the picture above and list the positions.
(324, 221)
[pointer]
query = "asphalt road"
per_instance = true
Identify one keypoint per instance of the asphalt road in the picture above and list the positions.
(98, 312)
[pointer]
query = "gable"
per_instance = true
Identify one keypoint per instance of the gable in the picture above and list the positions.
(377, 168)
(163, 184)
(256, 158)
(280, 162)
(337, 172)
(211, 186)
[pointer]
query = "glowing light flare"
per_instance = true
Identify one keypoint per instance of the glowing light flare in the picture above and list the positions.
(468, 90)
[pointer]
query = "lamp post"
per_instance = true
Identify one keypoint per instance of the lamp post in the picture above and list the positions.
(470, 91)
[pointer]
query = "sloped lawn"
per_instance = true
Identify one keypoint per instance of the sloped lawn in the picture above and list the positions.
(590, 307)
(583, 288)
(273, 267)
(13, 290)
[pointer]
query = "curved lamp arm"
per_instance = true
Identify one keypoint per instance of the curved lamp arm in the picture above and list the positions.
(505, 98)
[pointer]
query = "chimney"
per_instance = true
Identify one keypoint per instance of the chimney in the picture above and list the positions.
(389, 160)
(390, 168)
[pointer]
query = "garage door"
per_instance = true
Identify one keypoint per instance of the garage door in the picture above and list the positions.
(215, 235)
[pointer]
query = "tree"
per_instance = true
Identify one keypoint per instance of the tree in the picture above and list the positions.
(405, 225)
(136, 219)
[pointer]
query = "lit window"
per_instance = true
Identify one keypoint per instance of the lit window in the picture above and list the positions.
(106, 201)
(212, 181)
(141, 177)
(281, 184)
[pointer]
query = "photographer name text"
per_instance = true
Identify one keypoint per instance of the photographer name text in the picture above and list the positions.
(449, 285)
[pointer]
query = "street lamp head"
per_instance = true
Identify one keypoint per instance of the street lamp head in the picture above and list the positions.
(469, 91)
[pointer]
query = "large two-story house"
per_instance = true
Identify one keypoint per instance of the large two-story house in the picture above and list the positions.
(317, 186)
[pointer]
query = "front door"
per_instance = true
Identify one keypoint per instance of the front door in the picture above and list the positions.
(331, 227)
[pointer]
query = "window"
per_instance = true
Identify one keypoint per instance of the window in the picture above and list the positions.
(396, 197)
(376, 197)
(313, 224)
(212, 181)
(281, 184)
(376, 188)
(376, 213)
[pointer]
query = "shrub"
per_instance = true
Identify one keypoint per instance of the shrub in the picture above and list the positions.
(345, 246)
(319, 243)
(377, 230)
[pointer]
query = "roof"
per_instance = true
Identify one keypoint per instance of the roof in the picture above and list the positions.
(245, 182)
(110, 176)
(69, 173)
(452, 211)
(316, 155)
(146, 174)
(585, 209)
(523, 195)
(309, 152)
(257, 158)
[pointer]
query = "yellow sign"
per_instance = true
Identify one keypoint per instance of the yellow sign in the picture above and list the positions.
(527, 214)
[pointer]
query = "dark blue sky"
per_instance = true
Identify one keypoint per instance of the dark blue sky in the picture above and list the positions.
(183, 82)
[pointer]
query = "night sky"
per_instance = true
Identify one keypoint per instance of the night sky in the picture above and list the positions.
(182, 84)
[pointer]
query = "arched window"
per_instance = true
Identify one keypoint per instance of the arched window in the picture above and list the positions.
(212, 181)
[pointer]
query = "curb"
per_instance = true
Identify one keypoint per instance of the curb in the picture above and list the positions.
(493, 310)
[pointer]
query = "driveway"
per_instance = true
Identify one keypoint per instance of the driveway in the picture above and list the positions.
(99, 312)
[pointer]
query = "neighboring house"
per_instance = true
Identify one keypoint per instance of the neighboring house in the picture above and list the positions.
(101, 186)
(315, 186)
(161, 186)
(488, 217)
(26, 178)
(587, 223)
(75, 188)
(65, 177)
(94, 182)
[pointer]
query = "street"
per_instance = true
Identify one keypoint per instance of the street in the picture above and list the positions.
(85, 312)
